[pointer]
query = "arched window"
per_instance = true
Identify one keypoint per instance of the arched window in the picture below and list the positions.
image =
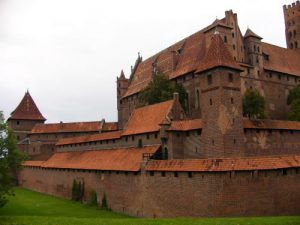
(225, 39)
(296, 44)
(187, 102)
(295, 33)
(290, 34)
(291, 46)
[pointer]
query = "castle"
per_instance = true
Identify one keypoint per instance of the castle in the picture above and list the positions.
(162, 161)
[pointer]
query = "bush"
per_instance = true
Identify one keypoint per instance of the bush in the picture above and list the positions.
(104, 202)
(93, 199)
(294, 113)
(77, 190)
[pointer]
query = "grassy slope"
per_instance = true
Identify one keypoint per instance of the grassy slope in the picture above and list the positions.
(28, 207)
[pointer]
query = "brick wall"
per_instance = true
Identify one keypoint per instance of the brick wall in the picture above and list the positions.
(248, 193)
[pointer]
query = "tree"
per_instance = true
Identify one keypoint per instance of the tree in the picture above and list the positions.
(293, 94)
(161, 89)
(10, 161)
(254, 104)
(293, 101)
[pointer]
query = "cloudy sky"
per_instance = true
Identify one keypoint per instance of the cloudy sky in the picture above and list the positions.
(69, 52)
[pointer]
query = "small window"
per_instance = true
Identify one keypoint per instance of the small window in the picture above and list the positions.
(225, 39)
(233, 46)
(175, 174)
(210, 101)
(155, 136)
(18, 137)
(270, 75)
(132, 137)
(163, 173)
(151, 173)
(199, 132)
(126, 138)
(230, 77)
(232, 35)
(148, 136)
(231, 100)
(18, 122)
(294, 33)
(190, 174)
(187, 133)
(209, 79)
(279, 77)
(234, 141)
(284, 172)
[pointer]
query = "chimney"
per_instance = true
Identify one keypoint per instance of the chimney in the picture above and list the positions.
(176, 96)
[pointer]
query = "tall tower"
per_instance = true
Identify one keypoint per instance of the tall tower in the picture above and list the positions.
(24, 117)
(253, 48)
(221, 102)
(292, 25)
(122, 86)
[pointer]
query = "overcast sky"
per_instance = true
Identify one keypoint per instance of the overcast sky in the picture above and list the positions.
(69, 52)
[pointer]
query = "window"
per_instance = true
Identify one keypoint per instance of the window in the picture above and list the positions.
(187, 133)
(148, 136)
(294, 33)
(233, 46)
(209, 79)
(270, 75)
(291, 46)
(190, 174)
(175, 174)
(126, 138)
(225, 39)
(140, 144)
(231, 100)
(232, 35)
(279, 77)
(210, 101)
(199, 132)
(132, 138)
(155, 136)
(197, 99)
(163, 173)
(296, 44)
(151, 173)
(18, 122)
(230, 77)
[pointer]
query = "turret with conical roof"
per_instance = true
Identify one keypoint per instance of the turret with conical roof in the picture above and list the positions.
(253, 48)
(24, 117)
(220, 102)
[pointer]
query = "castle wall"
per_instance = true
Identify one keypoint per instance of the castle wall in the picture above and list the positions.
(271, 142)
(22, 128)
(178, 194)
(125, 141)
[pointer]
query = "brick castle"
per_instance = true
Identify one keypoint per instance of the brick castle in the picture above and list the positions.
(162, 161)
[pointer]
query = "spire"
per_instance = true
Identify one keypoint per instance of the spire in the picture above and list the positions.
(122, 75)
(250, 33)
(27, 110)
(217, 55)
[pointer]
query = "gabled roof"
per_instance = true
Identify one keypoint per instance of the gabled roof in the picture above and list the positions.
(225, 164)
(148, 118)
(122, 159)
(281, 59)
(271, 124)
(93, 126)
(90, 138)
(250, 33)
(217, 55)
(27, 110)
(186, 125)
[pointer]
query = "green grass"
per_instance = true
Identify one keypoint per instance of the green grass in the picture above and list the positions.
(31, 208)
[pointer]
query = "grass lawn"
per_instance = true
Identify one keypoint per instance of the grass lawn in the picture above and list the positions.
(31, 208)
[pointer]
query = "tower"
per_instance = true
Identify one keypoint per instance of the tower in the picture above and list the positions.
(24, 117)
(292, 25)
(253, 48)
(122, 86)
(221, 102)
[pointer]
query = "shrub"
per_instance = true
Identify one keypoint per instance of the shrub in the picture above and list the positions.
(104, 202)
(254, 104)
(93, 199)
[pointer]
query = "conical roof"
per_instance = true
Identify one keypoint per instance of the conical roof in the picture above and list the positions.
(217, 55)
(250, 33)
(122, 75)
(27, 110)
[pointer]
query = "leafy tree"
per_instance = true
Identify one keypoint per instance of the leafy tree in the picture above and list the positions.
(10, 161)
(254, 104)
(294, 113)
(293, 94)
(161, 89)
(294, 102)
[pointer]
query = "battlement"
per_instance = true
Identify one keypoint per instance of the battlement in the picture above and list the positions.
(292, 6)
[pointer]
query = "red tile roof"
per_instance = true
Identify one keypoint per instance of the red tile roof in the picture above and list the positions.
(27, 110)
(110, 126)
(185, 125)
(225, 164)
(90, 138)
(189, 52)
(217, 55)
(281, 59)
(67, 127)
(271, 124)
(33, 163)
(123, 159)
(148, 118)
